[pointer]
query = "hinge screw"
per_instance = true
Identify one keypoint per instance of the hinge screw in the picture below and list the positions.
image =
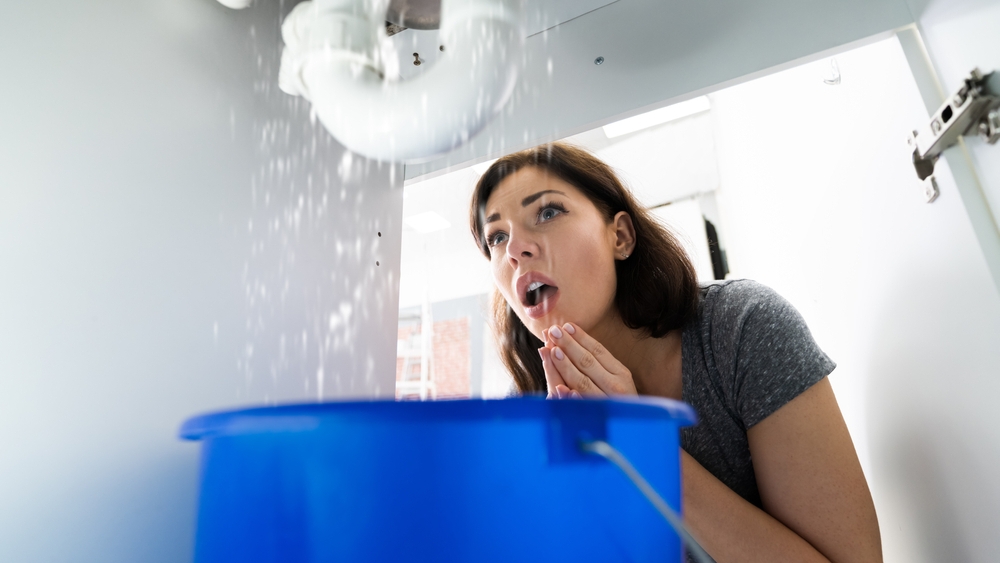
(931, 191)
(989, 127)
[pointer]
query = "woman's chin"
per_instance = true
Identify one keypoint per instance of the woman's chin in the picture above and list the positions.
(540, 325)
(541, 317)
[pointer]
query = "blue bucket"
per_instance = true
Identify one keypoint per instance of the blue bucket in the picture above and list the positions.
(443, 481)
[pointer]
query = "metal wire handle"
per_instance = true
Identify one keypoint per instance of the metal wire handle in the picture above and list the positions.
(607, 451)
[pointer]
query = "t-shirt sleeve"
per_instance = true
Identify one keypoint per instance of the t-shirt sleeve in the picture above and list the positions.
(764, 351)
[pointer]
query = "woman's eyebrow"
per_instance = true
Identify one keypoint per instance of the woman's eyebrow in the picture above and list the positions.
(532, 198)
(524, 203)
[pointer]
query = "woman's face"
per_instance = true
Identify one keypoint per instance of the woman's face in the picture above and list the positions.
(551, 250)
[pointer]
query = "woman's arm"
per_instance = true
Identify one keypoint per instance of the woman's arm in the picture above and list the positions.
(818, 507)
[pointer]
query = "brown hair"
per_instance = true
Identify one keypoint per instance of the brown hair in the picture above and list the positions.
(657, 286)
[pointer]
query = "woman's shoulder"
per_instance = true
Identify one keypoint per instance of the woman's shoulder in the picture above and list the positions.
(733, 312)
(736, 290)
(760, 345)
(733, 299)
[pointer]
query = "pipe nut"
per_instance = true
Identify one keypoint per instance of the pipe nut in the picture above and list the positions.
(309, 32)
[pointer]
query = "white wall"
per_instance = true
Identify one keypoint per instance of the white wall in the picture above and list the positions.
(687, 222)
(819, 200)
(661, 164)
(445, 264)
(139, 140)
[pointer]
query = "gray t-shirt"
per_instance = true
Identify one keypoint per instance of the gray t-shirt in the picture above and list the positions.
(746, 355)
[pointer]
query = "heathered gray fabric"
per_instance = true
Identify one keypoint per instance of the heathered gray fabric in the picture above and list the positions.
(748, 354)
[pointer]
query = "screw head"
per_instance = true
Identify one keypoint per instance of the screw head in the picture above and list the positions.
(599, 61)
(931, 191)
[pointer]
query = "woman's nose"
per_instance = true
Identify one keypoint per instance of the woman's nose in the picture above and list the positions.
(520, 247)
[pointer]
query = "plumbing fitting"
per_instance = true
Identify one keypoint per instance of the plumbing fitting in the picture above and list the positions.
(334, 57)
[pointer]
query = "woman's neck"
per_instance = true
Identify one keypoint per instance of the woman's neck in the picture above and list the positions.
(655, 363)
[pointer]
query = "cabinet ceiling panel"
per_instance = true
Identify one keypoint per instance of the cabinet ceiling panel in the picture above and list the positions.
(655, 52)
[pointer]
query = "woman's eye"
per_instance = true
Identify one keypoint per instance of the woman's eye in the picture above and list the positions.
(496, 238)
(549, 212)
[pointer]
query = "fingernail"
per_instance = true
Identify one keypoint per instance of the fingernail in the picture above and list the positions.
(545, 335)
(541, 353)
(554, 331)
(559, 393)
(559, 354)
(569, 328)
(575, 395)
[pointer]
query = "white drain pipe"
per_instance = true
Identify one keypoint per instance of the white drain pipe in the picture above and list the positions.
(236, 4)
(331, 58)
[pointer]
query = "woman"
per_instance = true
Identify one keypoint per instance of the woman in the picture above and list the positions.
(594, 298)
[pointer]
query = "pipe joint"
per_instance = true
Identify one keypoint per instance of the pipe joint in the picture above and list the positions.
(312, 32)
(331, 58)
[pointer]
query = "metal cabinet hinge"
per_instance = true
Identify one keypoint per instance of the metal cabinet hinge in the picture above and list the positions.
(973, 110)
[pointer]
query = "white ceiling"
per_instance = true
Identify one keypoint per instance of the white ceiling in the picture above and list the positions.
(539, 16)
(658, 52)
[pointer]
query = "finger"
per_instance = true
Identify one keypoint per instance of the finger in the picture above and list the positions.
(594, 361)
(573, 377)
(552, 378)
(596, 349)
(567, 393)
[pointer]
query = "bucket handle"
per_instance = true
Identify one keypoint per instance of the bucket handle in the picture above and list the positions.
(608, 452)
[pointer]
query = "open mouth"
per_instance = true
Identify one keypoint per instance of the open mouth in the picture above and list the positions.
(538, 292)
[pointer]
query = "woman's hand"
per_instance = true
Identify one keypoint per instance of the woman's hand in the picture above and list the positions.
(576, 365)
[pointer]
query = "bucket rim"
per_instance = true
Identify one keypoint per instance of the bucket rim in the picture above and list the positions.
(303, 417)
